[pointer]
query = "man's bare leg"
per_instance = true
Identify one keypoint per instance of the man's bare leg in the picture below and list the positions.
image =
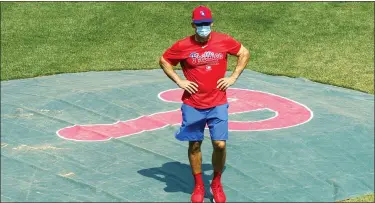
(218, 161)
(218, 155)
(195, 156)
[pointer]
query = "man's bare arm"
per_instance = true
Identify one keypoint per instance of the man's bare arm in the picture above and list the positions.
(243, 57)
(168, 70)
(189, 86)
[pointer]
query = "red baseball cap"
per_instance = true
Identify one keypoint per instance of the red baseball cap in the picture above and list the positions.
(202, 14)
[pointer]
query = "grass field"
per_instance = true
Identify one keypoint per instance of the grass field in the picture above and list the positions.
(327, 42)
(365, 198)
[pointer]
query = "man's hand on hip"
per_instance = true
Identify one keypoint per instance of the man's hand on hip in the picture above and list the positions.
(224, 83)
(189, 86)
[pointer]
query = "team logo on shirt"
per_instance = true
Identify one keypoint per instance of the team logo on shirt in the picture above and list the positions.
(193, 55)
(208, 57)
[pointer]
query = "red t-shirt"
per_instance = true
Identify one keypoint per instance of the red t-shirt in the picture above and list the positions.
(203, 64)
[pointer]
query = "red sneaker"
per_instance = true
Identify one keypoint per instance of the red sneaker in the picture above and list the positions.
(218, 193)
(198, 194)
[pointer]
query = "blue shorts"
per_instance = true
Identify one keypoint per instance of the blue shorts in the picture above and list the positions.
(194, 122)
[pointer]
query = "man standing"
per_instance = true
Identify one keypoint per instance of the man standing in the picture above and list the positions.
(203, 58)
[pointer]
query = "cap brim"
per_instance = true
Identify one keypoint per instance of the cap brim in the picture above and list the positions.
(203, 21)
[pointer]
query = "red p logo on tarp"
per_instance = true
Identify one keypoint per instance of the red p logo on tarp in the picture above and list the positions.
(288, 113)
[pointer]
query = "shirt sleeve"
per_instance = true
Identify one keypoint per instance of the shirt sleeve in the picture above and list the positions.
(233, 46)
(173, 55)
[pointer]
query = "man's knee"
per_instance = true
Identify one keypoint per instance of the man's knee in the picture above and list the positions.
(219, 145)
(194, 146)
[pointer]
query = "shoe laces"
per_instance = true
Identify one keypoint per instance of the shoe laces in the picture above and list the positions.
(217, 188)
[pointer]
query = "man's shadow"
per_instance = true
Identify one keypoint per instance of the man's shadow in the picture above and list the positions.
(178, 177)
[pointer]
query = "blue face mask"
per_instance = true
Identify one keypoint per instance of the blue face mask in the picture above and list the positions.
(203, 31)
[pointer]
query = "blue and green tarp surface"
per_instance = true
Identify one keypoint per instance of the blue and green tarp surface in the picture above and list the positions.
(109, 136)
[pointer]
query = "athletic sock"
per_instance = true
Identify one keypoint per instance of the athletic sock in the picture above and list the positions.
(217, 177)
(198, 179)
